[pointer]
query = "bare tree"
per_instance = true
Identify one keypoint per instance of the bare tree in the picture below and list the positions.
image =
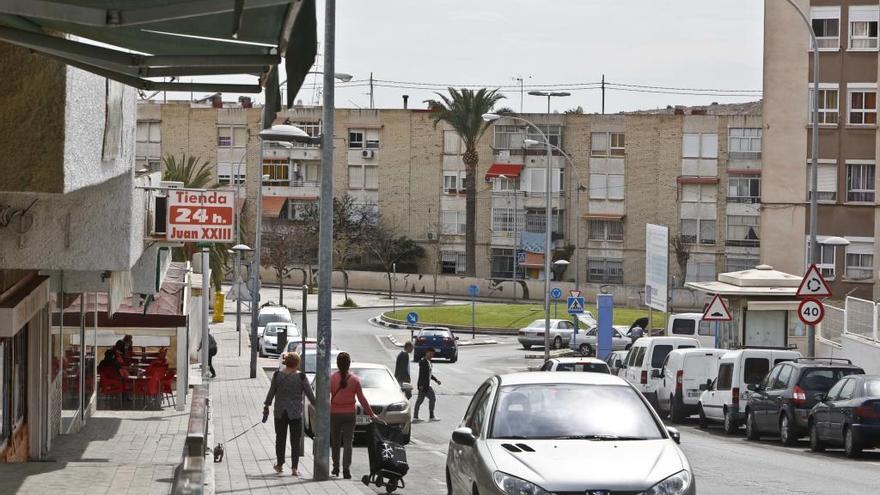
(682, 251)
(390, 250)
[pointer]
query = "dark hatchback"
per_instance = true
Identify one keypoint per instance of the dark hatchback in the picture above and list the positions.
(848, 416)
(442, 340)
(780, 404)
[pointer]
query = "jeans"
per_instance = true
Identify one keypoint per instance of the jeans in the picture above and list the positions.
(429, 393)
(282, 424)
(211, 363)
(341, 435)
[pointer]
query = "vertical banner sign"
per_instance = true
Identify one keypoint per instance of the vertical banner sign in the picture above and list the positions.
(656, 266)
(605, 306)
(201, 216)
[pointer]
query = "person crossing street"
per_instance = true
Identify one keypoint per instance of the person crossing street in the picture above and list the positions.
(426, 374)
(401, 367)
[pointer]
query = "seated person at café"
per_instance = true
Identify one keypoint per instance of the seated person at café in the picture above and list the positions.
(129, 347)
(121, 358)
(109, 366)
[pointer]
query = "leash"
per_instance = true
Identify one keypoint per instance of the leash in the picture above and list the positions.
(245, 431)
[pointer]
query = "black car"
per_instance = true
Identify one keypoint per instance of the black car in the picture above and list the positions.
(848, 415)
(781, 403)
(442, 340)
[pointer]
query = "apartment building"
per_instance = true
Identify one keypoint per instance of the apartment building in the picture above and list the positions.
(848, 62)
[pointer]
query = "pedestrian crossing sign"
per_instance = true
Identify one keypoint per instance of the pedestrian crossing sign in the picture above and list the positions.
(575, 305)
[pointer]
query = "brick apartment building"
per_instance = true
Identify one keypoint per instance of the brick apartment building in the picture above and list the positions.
(697, 170)
(848, 46)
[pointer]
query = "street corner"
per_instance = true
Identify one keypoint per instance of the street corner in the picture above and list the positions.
(396, 340)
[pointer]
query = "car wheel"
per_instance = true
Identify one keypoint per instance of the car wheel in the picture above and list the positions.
(527, 346)
(557, 342)
(703, 423)
(851, 446)
(675, 412)
(586, 349)
(751, 428)
(448, 482)
(730, 425)
(815, 442)
(786, 432)
(261, 352)
(454, 358)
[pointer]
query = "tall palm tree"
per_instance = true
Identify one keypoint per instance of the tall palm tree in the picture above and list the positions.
(195, 174)
(463, 110)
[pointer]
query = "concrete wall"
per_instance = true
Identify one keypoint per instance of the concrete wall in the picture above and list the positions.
(862, 352)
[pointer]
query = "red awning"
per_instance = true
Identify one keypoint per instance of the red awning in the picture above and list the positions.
(272, 206)
(510, 170)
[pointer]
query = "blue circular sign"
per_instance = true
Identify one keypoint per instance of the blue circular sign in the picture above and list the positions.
(556, 293)
(412, 317)
(473, 290)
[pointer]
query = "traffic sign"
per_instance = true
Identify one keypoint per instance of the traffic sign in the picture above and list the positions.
(556, 293)
(200, 215)
(574, 293)
(412, 317)
(520, 257)
(474, 290)
(814, 284)
(575, 305)
(717, 310)
(811, 311)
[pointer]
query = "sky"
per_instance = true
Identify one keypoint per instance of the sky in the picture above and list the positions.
(430, 44)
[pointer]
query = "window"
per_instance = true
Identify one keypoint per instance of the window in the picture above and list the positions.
(604, 186)
(725, 377)
(863, 27)
(700, 271)
(698, 229)
(149, 132)
(835, 390)
(452, 222)
(860, 260)
(605, 271)
(826, 25)
(862, 105)
(535, 179)
(452, 144)
(640, 357)
(502, 262)
(755, 370)
(363, 177)
(553, 133)
(848, 389)
(860, 181)
(744, 189)
(363, 138)
(19, 376)
(226, 171)
(827, 259)
(504, 184)
(699, 193)
(745, 143)
(508, 137)
(606, 230)
(682, 326)
(277, 170)
(232, 136)
(782, 378)
(536, 221)
(608, 144)
(733, 264)
(4, 389)
(452, 262)
(743, 230)
(659, 354)
(699, 146)
(453, 182)
(503, 219)
(826, 189)
(355, 139)
(828, 104)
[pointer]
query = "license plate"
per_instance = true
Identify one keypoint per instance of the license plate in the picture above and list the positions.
(438, 350)
(693, 393)
(362, 420)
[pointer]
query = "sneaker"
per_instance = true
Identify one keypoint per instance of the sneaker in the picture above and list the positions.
(294, 472)
(277, 467)
(435, 419)
(335, 472)
(416, 420)
(346, 474)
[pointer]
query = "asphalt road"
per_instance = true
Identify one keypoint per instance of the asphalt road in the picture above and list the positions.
(722, 465)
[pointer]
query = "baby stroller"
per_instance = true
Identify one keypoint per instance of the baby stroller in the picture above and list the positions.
(387, 457)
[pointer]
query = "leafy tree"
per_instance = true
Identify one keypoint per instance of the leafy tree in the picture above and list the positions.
(389, 250)
(579, 110)
(463, 110)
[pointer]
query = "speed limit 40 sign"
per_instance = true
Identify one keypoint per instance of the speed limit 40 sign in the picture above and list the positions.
(195, 215)
(811, 311)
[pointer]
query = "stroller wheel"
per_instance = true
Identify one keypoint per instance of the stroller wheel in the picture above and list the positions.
(378, 480)
(391, 486)
(365, 479)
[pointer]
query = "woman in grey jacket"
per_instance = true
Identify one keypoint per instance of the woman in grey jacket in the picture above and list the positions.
(288, 387)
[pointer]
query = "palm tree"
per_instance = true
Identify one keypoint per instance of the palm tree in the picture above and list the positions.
(195, 174)
(463, 110)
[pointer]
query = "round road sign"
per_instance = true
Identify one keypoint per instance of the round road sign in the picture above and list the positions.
(811, 311)
(556, 293)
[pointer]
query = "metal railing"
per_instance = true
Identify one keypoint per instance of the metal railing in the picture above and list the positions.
(861, 317)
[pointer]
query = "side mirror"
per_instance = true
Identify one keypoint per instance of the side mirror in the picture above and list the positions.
(674, 434)
(463, 436)
(708, 385)
(656, 374)
(822, 397)
(456, 337)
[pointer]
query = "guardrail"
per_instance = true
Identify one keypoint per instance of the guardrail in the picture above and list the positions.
(189, 478)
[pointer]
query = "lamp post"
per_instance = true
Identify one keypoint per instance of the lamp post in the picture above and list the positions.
(492, 117)
(549, 94)
(814, 149)
(238, 249)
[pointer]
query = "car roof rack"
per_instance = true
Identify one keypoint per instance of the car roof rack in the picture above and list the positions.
(830, 360)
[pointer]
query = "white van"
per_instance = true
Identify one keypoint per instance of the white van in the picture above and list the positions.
(683, 378)
(647, 354)
(691, 325)
(725, 399)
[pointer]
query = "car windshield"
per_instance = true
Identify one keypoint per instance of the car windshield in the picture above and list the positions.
(375, 378)
(266, 318)
(588, 367)
(309, 365)
(571, 411)
(272, 330)
(872, 388)
(822, 379)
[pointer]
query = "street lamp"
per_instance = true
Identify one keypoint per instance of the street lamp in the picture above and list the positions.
(492, 117)
(238, 249)
(549, 94)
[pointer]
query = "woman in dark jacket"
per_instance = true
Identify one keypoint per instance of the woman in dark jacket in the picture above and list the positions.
(288, 388)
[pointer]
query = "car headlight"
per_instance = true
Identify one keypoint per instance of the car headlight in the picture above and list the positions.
(676, 484)
(516, 486)
(397, 407)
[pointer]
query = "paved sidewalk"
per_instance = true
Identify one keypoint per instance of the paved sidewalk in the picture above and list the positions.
(236, 404)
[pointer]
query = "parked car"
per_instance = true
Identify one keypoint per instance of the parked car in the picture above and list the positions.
(781, 403)
(848, 416)
(309, 364)
(725, 398)
(587, 342)
(615, 361)
(294, 346)
(268, 343)
(587, 320)
(271, 313)
(587, 364)
(646, 355)
(533, 335)
(530, 433)
(442, 340)
(683, 377)
(691, 325)
(386, 398)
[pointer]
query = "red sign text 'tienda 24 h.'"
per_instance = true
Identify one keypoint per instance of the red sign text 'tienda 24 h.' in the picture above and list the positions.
(201, 216)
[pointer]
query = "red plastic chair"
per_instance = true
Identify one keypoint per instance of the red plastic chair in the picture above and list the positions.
(168, 386)
(110, 385)
(151, 388)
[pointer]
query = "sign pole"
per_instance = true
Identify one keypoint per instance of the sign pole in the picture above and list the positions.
(473, 317)
(206, 279)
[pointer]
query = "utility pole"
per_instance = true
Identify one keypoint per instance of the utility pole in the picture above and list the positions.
(603, 94)
(206, 279)
(371, 89)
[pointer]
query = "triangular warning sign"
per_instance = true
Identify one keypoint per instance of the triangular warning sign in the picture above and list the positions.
(717, 310)
(814, 284)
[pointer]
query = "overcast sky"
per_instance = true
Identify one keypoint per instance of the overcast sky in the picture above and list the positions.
(672, 43)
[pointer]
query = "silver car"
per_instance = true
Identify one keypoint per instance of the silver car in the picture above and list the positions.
(560, 334)
(587, 342)
(546, 433)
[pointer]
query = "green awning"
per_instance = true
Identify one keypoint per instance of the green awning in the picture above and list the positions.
(142, 39)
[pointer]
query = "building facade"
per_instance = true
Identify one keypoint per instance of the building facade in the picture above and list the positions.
(848, 62)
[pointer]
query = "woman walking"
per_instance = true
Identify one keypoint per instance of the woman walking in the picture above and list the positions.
(288, 387)
(344, 388)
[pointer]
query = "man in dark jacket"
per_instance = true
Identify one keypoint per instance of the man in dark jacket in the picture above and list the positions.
(212, 351)
(401, 367)
(425, 388)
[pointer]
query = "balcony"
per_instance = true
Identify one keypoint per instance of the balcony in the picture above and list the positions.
(293, 189)
(744, 199)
